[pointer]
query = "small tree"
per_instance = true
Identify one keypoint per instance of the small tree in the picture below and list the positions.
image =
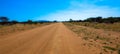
(30, 21)
(99, 19)
(71, 20)
(4, 19)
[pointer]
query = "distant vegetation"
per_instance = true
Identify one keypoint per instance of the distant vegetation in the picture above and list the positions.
(99, 20)
(109, 27)
(6, 21)
(110, 23)
(7, 26)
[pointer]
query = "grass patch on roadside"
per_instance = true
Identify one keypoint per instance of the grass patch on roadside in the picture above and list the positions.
(103, 38)
(85, 38)
(105, 26)
(7, 29)
(109, 48)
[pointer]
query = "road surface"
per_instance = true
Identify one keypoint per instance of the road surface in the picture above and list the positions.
(50, 39)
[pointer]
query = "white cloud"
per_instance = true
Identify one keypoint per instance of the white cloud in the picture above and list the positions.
(82, 11)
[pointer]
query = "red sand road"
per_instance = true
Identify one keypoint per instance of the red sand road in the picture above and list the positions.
(51, 39)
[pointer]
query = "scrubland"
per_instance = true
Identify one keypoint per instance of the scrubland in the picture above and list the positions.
(8, 29)
(105, 26)
(103, 36)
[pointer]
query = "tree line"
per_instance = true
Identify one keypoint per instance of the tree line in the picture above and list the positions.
(99, 20)
(6, 21)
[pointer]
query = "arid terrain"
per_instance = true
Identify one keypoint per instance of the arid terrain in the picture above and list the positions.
(59, 38)
(106, 38)
(9, 29)
(59, 26)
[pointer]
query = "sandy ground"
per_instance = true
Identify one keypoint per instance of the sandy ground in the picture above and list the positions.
(51, 39)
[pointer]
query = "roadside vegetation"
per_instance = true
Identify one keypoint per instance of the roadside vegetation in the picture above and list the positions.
(8, 27)
(106, 26)
(107, 41)
(4, 30)
(103, 34)
(110, 23)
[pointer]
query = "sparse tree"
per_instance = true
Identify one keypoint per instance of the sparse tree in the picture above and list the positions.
(71, 20)
(30, 21)
(4, 19)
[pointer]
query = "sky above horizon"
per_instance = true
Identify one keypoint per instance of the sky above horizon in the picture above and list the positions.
(60, 10)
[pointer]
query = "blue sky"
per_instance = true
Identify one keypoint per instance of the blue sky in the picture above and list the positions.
(61, 10)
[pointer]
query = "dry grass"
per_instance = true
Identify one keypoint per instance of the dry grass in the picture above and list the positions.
(4, 30)
(105, 26)
(108, 38)
(110, 48)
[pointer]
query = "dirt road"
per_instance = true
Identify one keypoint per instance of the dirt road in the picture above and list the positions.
(50, 39)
